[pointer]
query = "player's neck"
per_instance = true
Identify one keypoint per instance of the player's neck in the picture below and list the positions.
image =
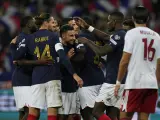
(140, 25)
(26, 31)
(43, 27)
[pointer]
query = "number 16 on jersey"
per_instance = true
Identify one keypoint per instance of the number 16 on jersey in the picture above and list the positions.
(149, 51)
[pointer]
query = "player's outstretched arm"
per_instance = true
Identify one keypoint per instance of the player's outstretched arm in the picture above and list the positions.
(158, 72)
(99, 50)
(98, 33)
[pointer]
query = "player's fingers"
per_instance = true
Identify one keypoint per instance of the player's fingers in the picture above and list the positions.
(80, 85)
(116, 92)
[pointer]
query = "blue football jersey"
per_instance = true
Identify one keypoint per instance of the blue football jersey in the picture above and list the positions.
(22, 75)
(114, 57)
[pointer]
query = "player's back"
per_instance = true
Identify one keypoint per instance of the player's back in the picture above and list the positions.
(22, 75)
(43, 46)
(142, 43)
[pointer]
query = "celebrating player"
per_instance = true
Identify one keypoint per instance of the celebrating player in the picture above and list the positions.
(114, 50)
(46, 85)
(22, 75)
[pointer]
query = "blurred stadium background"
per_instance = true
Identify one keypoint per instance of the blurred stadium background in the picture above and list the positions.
(11, 11)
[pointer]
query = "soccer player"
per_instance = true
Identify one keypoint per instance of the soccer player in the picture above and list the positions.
(92, 75)
(141, 61)
(56, 26)
(46, 84)
(22, 75)
(114, 50)
(75, 53)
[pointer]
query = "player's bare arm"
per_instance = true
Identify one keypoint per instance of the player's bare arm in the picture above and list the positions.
(13, 41)
(122, 70)
(34, 62)
(100, 34)
(158, 72)
(99, 50)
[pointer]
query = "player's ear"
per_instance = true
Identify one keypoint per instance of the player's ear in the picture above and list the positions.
(63, 35)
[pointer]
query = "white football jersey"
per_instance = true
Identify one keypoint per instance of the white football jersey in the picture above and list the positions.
(144, 45)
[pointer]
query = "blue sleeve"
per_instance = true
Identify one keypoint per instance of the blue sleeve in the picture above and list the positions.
(13, 48)
(116, 40)
(20, 50)
(65, 61)
(55, 38)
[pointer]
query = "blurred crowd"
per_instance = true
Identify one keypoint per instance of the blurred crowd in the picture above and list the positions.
(11, 12)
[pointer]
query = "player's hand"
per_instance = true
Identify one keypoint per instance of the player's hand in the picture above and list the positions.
(70, 53)
(82, 40)
(78, 80)
(14, 40)
(80, 22)
(45, 61)
(100, 65)
(117, 87)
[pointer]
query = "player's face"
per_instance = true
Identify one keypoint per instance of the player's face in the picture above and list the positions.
(111, 24)
(51, 24)
(74, 25)
(56, 26)
(32, 26)
(69, 36)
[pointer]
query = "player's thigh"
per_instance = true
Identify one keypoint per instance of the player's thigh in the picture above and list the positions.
(53, 93)
(22, 96)
(143, 116)
(150, 97)
(87, 95)
(131, 100)
(137, 100)
(127, 115)
(106, 95)
(70, 105)
(38, 96)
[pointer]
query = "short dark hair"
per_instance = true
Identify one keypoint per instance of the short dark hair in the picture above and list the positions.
(41, 18)
(25, 20)
(129, 22)
(65, 21)
(140, 15)
(65, 28)
(118, 16)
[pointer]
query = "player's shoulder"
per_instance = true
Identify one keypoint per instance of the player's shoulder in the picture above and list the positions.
(22, 37)
(119, 34)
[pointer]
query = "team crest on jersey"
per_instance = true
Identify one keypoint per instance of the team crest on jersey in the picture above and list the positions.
(117, 37)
